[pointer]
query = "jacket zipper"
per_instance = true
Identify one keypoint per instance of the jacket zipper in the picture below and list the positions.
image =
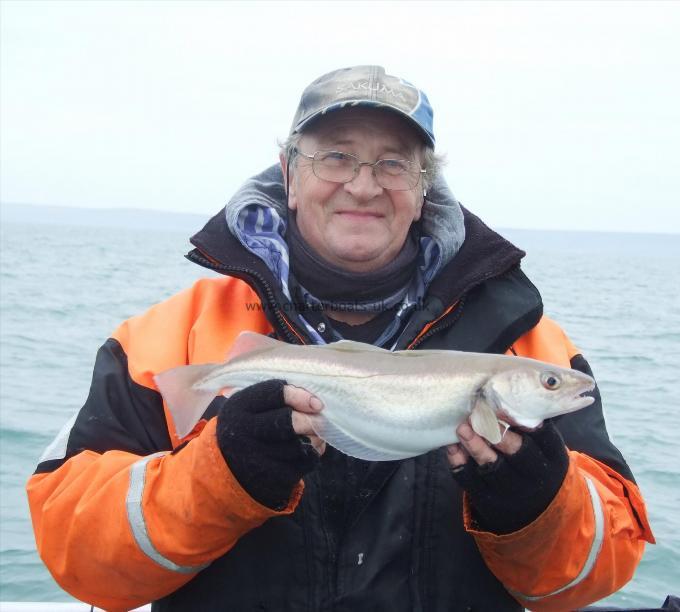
(451, 318)
(246, 274)
(445, 323)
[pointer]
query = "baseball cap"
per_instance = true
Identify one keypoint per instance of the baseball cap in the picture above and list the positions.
(364, 86)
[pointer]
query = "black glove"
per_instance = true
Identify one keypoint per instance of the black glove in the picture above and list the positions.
(514, 490)
(256, 436)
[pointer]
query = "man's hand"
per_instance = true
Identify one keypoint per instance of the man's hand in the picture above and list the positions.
(303, 404)
(511, 483)
(473, 445)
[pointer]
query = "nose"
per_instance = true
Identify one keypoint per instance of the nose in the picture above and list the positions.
(364, 186)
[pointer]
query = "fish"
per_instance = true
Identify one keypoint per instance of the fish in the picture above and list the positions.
(383, 405)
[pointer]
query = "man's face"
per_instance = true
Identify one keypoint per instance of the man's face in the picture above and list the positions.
(358, 226)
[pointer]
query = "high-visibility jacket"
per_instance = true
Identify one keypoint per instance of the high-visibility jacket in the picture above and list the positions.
(125, 512)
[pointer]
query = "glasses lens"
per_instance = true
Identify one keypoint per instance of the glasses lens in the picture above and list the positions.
(334, 166)
(338, 167)
(397, 174)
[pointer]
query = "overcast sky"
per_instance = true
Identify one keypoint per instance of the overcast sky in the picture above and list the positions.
(552, 115)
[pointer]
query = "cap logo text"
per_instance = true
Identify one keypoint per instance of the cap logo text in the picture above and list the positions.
(380, 88)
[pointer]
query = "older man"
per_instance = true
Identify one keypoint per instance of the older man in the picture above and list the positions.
(353, 236)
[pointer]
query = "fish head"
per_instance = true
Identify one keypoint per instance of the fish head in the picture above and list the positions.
(526, 396)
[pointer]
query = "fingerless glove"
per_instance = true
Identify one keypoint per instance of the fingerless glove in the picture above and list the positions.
(257, 440)
(514, 490)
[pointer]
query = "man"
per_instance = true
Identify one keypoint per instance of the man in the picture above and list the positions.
(354, 236)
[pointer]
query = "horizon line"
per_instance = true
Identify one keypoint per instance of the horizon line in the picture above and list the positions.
(211, 214)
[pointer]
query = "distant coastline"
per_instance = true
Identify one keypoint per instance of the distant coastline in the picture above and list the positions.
(138, 218)
(133, 218)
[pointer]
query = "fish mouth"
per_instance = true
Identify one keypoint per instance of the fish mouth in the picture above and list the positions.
(582, 399)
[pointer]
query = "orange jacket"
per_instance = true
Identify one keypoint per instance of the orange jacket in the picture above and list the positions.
(118, 528)
(588, 542)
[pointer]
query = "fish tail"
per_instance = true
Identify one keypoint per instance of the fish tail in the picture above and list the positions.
(186, 403)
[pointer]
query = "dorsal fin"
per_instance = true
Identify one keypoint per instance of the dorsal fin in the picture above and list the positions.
(248, 342)
(350, 346)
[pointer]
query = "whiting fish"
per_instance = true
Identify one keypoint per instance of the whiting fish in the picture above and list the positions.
(381, 405)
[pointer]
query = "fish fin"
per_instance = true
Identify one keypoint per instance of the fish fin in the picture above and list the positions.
(248, 342)
(186, 404)
(351, 346)
(485, 422)
(340, 439)
(411, 354)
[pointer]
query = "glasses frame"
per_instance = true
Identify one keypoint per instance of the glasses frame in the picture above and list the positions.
(357, 167)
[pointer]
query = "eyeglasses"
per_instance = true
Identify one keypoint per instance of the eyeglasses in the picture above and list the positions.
(338, 167)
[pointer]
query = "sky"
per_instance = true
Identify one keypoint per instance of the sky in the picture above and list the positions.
(552, 115)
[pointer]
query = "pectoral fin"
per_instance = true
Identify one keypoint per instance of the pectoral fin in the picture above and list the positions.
(484, 421)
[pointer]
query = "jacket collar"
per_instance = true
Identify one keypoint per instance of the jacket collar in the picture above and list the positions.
(484, 254)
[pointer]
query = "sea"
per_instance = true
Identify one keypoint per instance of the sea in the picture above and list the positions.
(65, 285)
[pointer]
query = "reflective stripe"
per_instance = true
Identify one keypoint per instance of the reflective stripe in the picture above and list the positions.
(135, 514)
(57, 448)
(595, 547)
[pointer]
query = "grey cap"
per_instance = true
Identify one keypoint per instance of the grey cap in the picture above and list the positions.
(365, 86)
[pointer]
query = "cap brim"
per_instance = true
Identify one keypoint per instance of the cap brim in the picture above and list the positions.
(429, 138)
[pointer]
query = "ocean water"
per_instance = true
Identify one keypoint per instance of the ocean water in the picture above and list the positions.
(65, 288)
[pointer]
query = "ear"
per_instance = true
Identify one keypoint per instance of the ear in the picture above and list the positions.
(289, 188)
(419, 208)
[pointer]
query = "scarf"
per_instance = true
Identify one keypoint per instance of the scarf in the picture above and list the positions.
(340, 289)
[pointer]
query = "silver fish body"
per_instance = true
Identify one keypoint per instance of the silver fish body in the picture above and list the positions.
(383, 405)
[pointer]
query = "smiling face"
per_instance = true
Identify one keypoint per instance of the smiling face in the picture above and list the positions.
(358, 226)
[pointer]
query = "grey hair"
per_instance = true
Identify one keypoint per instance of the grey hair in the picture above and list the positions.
(432, 162)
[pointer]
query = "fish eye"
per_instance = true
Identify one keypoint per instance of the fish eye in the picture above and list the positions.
(550, 381)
